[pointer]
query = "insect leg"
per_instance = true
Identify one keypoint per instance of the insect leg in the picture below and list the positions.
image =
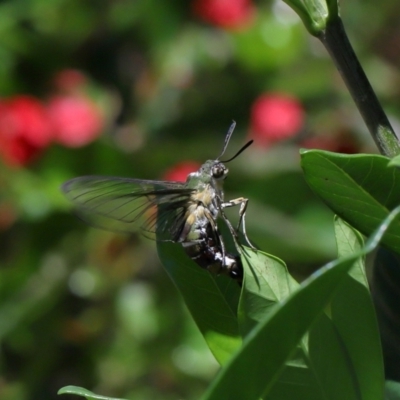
(232, 230)
(214, 228)
(242, 216)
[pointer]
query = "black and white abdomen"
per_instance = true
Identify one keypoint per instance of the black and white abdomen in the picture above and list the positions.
(206, 251)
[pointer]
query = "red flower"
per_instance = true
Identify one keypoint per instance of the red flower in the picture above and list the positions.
(25, 116)
(76, 120)
(18, 151)
(24, 129)
(224, 13)
(275, 117)
(180, 171)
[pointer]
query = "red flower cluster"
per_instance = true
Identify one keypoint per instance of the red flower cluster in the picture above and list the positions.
(76, 121)
(24, 129)
(275, 117)
(28, 126)
(230, 14)
(180, 171)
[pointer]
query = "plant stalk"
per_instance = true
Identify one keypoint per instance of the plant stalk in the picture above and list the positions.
(336, 42)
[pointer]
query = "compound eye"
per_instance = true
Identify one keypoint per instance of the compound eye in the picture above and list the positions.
(219, 171)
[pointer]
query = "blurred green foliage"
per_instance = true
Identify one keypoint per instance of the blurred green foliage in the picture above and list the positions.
(95, 309)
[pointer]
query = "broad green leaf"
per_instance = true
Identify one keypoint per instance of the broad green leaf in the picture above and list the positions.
(348, 241)
(296, 382)
(359, 188)
(348, 345)
(212, 301)
(272, 342)
(251, 373)
(266, 282)
(84, 393)
(329, 360)
(354, 318)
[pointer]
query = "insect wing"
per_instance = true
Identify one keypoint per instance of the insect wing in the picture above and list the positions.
(126, 205)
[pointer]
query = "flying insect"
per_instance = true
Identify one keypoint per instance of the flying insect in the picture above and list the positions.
(180, 212)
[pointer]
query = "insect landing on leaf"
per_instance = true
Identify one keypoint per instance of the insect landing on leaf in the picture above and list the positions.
(183, 213)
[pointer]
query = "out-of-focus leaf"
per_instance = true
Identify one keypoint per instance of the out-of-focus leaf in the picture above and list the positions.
(212, 301)
(84, 393)
(267, 43)
(359, 188)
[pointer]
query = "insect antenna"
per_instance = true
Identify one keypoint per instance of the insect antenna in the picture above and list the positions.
(227, 138)
(240, 151)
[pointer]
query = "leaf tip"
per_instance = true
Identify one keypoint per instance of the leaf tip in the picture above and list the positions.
(70, 389)
(65, 389)
(394, 162)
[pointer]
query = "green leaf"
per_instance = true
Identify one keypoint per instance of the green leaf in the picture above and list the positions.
(353, 315)
(271, 343)
(348, 242)
(212, 301)
(84, 393)
(394, 162)
(296, 382)
(266, 282)
(347, 348)
(274, 340)
(329, 360)
(392, 390)
(359, 188)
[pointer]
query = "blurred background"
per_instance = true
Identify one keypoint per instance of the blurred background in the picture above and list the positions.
(148, 89)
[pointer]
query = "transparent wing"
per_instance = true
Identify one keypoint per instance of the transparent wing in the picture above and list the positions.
(126, 205)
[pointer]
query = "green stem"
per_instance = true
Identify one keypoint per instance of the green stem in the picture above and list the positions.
(337, 43)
